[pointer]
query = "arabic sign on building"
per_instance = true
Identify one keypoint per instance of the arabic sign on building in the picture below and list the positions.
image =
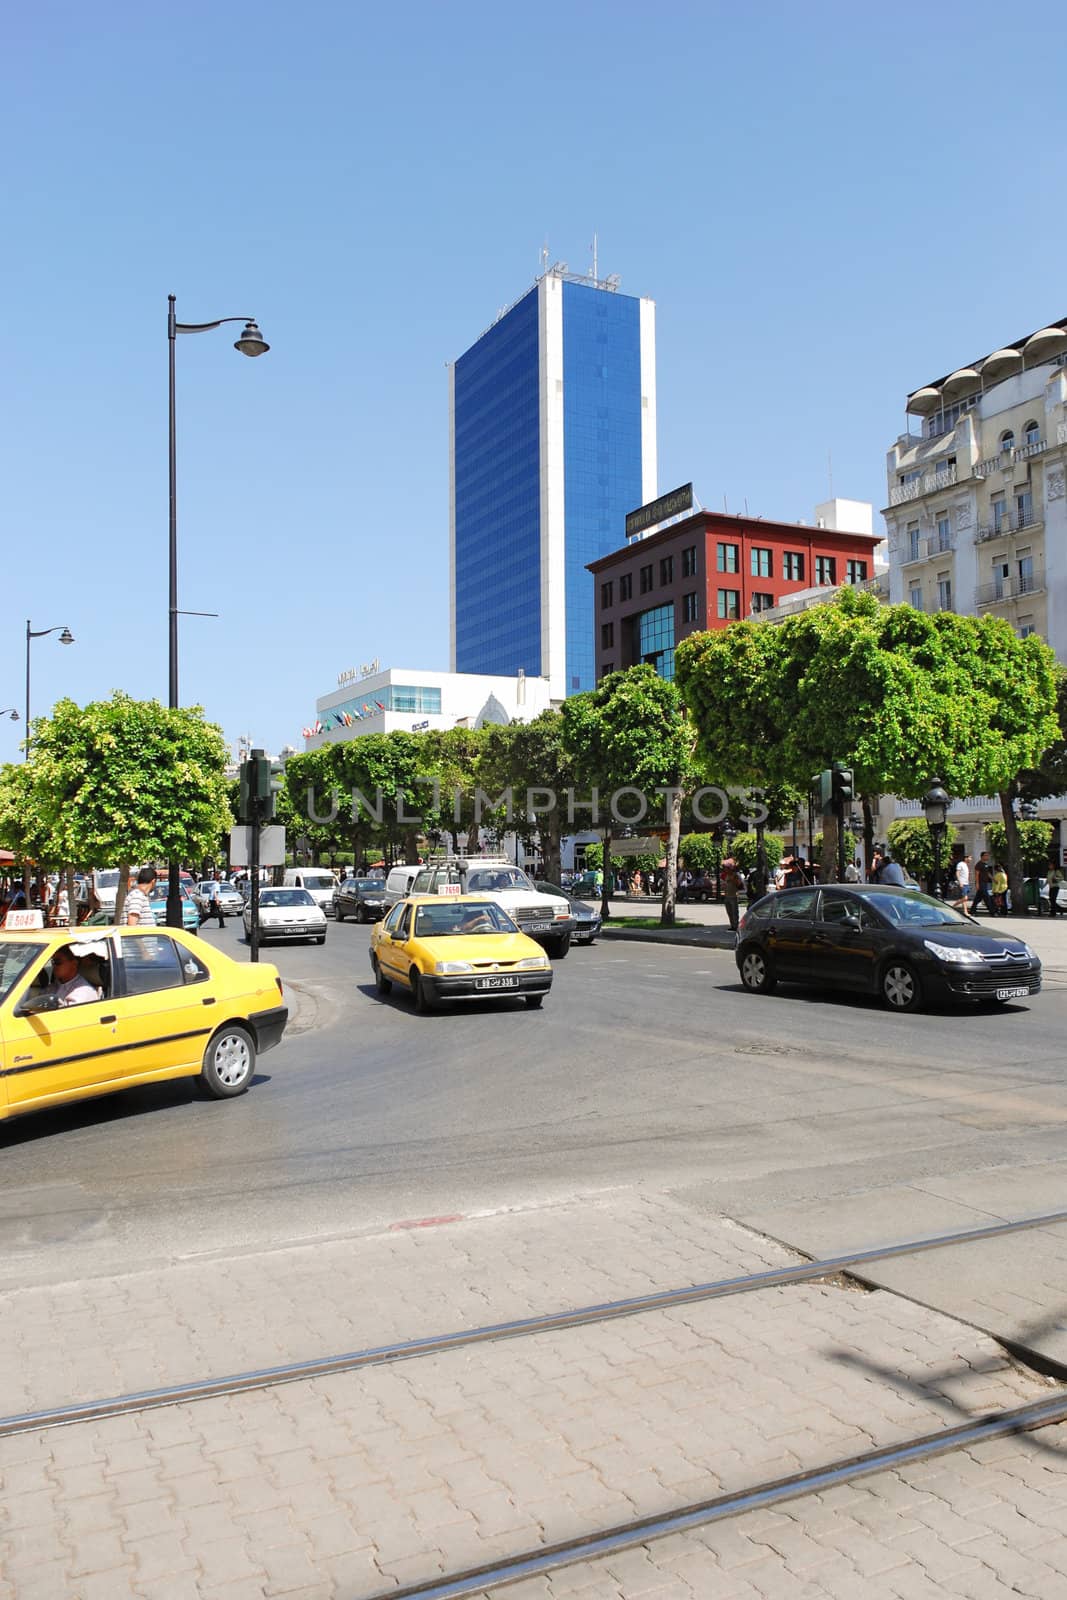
(668, 505)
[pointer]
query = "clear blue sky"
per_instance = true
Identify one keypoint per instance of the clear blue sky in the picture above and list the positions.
(830, 205)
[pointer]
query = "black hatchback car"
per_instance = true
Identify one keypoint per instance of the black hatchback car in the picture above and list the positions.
(879, 939)
(362, 898)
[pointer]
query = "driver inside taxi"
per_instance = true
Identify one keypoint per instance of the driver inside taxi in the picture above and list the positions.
(69, 986)
(476, 920)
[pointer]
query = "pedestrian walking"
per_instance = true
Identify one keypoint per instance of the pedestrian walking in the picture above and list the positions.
(892, 872)
(852, 872)
(963, 880)
(983, 884)
(731, 888)
(1055, 883)
(138, 907)
(877, 863)
(1000, 888)
(214, 904)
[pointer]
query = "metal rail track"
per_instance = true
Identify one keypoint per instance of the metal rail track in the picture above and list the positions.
(624, 1536)
(353, 1361)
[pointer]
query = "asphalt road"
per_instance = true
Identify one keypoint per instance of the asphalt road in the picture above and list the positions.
(647, 1066)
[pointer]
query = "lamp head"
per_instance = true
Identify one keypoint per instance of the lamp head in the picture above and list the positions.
(14, 716)
(251, 342)
(66, 637)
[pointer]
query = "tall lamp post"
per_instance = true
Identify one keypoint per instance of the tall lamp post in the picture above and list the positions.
(9, 711)
(251, 343)
(65, 637)
(935, 808)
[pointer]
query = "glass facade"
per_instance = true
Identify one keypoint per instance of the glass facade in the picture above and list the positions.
(654, 639)
(601, 450)
(393, 697)
(497, 471)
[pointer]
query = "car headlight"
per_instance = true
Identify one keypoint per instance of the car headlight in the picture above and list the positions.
(532, 961)
(955, 955)
(453, 966)
(1027, 950)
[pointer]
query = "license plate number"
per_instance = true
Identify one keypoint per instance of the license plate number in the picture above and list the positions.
(535, 927)
(496, 983)
(1012, 994)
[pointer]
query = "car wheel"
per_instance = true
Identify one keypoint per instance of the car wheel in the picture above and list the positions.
(900, 986)
(423, 1003)
(534, 1002)
(757, 971)
(381, 983)
(559, 947)
(338, 915)
(229, 1062)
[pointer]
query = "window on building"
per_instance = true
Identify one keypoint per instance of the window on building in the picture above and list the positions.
(1031, 435)
(825, 569)
(689, 562)
(729, 603)
(666, 570)
(653, 639)
(855, 571)
(1007, 440)
(607, 594)
(1001, 579)
(762, 602)
(726, 557)
(944, 592)
(646, 579)
(913, 541)
(606, 668)
(1000, 512)
(793, 567)
(944, 531)
(1026, 572)
(1024, 508)
(915, 596)
(691, 607)
(626, 586)
(761, 560)
(607, 635)
(1026, 627)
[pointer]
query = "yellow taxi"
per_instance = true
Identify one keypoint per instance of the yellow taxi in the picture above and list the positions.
(456, 947)
(87, 1011)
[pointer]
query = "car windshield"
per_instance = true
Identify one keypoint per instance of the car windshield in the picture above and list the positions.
(108, 879)
(916, 910)
(464, 919)
(369, 883)
(491, 880)
(15, 959)
(285, 897)
(319, 880)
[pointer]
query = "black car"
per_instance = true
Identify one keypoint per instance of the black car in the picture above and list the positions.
(362, 898)
(586, 917)
(879, 939)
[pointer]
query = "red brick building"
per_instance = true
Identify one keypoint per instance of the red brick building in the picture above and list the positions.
(706, 571)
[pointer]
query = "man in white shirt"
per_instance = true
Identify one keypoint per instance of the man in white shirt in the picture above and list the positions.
(138, 908)
(68, 985)
(963, 878)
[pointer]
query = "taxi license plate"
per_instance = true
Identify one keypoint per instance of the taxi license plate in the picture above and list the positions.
(1012, 994)
(496, 983)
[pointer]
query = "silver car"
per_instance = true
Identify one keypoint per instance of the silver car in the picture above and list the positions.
(287, 914)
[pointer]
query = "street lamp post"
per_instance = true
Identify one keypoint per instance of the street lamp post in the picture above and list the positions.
(251, 343)
(9, 711)
(935, 808)
(65, 637)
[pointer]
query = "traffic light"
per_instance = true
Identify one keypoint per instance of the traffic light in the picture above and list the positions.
(824, 782)
(842, 789)
(255, 799)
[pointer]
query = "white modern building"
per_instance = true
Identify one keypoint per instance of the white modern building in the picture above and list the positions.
(977, 513)
(376, 700)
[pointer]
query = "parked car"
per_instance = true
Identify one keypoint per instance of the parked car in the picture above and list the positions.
(459, 947)
(880, 939)
(147, 1021)
(586, 917)
(230, 898)
(287, 914)
(544, 914)
(190, 910)
(362, 898)
(398, 883)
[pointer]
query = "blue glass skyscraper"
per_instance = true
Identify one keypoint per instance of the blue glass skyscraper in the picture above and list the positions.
(552, 440)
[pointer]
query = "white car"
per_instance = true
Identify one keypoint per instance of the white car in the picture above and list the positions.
(229, 897)
(287, 914)
(542, 914)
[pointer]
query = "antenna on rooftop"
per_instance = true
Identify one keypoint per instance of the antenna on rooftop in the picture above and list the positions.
(595, 273)
(544, 256)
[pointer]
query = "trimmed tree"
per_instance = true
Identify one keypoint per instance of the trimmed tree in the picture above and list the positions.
(913, 846)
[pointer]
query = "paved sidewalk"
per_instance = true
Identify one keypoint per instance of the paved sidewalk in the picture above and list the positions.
(350, 1485)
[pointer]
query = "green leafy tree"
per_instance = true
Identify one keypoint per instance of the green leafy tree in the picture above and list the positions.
(1035, 843)
(532, 759)
(746, 851)
(1049, 776)
(122, 780)
(850, 845)
(454, 757)
(912, 845)
(701, 852)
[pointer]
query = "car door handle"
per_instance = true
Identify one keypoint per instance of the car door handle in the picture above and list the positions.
(109, 1019)
(820, 938)
(210, 1001)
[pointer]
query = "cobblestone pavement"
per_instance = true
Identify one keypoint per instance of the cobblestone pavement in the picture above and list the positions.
(350, 1485)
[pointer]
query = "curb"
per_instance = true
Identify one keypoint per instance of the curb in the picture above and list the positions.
(711, 939)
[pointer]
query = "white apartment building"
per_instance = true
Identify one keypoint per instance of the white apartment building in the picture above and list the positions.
(376, 700)
(977, 513)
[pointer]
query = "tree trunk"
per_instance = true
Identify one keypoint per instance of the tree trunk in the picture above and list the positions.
(868, 832)
(411, 847)
(828, 863)
(72, 905)
(670, 876)
(1014, 863)
(122, 890)
(605, 910)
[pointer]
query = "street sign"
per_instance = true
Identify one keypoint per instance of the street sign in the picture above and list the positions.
(271, 846)
(637, 847)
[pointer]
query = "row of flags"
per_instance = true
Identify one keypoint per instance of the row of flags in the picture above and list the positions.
(342, 719)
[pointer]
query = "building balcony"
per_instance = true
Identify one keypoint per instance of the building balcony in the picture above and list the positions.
(929, 483)
(1014, 522)
(1004, 460)
(928, 549)
(1003, 590)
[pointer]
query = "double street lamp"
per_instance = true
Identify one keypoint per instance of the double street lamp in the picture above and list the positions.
(251, 343)
(65, 637)
(935, 808)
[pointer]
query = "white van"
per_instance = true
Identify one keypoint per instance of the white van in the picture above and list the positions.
(318, 881)
(398, 884)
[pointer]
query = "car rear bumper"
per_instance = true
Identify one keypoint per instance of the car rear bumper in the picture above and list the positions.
(463, 986)
(269, 1026)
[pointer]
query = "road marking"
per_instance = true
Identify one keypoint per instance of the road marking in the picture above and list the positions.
(426, 1222)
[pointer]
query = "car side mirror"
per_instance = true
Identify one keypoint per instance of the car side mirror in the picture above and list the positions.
(33, 1004)
(853, 923)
